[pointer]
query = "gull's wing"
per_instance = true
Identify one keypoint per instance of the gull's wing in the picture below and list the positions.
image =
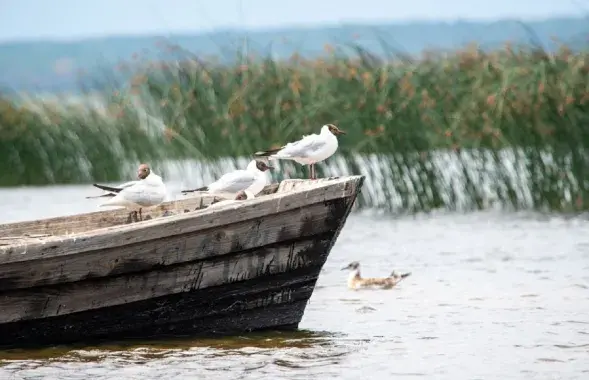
(115, 189)
(141, 193)
(128, 184)
(233, 182)
(110, 191)
(302, 148)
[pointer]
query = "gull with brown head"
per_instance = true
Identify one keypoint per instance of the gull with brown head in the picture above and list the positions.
(147, 191)
(309, 150)
(252, 179)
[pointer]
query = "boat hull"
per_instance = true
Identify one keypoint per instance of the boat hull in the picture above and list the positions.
(250, 274)
(271, 302)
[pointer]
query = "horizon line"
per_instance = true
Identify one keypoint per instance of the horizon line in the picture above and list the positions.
(289, 27)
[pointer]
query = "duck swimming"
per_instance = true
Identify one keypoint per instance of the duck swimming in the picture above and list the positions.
(356, 281)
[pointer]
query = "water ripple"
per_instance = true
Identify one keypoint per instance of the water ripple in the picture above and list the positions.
(491, 296)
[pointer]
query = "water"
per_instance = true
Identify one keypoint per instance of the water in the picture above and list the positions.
(491, 296)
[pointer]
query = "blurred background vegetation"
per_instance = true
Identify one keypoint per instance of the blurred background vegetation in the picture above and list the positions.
(472, 126)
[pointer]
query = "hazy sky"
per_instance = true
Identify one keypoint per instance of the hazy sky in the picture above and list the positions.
(73, 19)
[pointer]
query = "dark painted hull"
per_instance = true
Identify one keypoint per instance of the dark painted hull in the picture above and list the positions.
(225, 310)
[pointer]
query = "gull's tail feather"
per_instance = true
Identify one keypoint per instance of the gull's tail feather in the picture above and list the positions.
(117, 200)
(107, 188)
(204, 188)
(101, 196)
(393, 274)
(266, 153)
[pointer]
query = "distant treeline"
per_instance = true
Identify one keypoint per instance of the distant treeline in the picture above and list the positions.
(48, 66)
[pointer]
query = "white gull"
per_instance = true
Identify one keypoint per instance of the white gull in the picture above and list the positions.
(148, 191)
(252, 179)
(309, 150)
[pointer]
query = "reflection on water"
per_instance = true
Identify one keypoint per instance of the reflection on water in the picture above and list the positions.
(490, 296)
(154, 349)
(269, 353)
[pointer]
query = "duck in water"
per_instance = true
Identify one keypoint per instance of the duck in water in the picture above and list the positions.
(356, 281)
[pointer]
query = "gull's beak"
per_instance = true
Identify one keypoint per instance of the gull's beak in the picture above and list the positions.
(346, 267)
(270, 167)
(340, 132)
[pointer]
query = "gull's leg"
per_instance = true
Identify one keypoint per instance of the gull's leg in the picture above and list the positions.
(135, 219)
(130, 218)
(313, 173)
(140, 215)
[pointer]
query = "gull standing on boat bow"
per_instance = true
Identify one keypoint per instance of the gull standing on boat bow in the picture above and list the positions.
(148, 191)
(309, 150)
(253, 179)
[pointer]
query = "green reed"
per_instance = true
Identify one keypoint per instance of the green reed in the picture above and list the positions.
(49, 142)
(470, 104)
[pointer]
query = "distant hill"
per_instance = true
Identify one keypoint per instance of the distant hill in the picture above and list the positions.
(53, 66)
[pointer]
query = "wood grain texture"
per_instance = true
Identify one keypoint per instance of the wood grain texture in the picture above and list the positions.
(73, 224)
(151, 254)
(62, 299)
(239, 267)
(158, 228)
(266, 302)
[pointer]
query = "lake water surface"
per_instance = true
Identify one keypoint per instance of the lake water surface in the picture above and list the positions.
(491, 296)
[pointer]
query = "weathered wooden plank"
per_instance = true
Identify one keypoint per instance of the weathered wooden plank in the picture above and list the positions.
(95, 326)
(62, 299)
(172, 314)
(183, 223)
(284, 316)
(74, 224)
(249, 234)
(221, 309)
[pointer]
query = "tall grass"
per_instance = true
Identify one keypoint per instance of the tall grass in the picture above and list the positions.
(515, 120)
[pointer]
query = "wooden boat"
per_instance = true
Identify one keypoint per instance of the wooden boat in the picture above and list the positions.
(242, 266)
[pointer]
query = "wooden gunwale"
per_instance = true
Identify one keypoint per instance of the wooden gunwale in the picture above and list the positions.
(70, 224)
(215, 242)
(157, 228)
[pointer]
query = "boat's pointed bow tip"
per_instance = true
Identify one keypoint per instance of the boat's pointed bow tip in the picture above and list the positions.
(359, 179)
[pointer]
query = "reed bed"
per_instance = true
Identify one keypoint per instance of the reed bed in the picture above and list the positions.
(433, 132)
